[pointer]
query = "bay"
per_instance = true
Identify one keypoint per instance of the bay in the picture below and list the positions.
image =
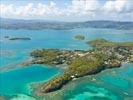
(114, 86)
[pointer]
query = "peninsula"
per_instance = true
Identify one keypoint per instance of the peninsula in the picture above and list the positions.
(104, 54)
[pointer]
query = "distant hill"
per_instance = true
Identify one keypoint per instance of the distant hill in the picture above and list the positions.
(41, 24)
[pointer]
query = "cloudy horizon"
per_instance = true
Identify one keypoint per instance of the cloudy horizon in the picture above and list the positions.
(68, 10)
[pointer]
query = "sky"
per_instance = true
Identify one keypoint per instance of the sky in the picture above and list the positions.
(67, 10)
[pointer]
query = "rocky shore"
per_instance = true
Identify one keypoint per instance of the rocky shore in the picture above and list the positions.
(105, 54)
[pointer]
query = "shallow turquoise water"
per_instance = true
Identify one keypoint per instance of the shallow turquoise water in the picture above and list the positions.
(14, 82)
(12, 57)
(60, 38)
(113, 86)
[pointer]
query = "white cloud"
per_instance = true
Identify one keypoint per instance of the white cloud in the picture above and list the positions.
(119, 6)
(83, 7)
(77, 10)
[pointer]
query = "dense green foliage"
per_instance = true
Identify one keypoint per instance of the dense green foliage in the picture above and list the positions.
(87, 64)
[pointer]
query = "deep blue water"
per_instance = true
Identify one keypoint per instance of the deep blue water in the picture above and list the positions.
(114, 86)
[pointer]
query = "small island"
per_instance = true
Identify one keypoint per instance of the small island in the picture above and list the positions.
(20, 38)
(104, 54)
(79, 37)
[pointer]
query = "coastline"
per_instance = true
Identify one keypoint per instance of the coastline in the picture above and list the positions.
(66, 84)
(99, 60)
(89, 79)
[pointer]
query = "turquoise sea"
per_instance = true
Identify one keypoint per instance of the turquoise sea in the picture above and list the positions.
(111, 84)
